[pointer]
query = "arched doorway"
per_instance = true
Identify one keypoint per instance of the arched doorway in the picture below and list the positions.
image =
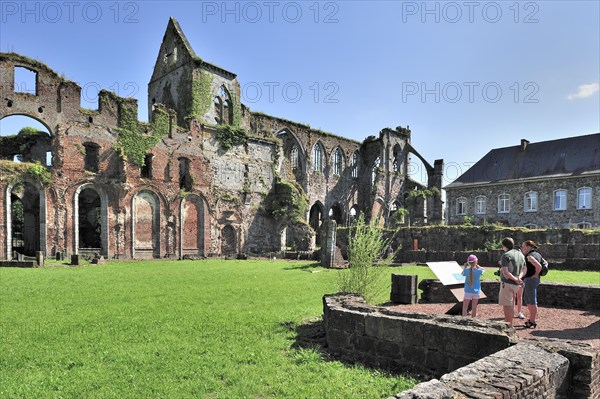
(335, 213)
(26, 220)
(193, 233)
(91, 221)
(315, 219)
(146, 226)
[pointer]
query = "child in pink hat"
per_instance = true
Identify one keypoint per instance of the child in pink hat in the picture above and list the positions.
(472, 273)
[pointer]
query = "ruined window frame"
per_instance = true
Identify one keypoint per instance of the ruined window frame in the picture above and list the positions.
(91, 158)
(374, 170)
(318, 154)
(338, 161)
(294, 160)
(146, 169)
(561, 196)
(584, 198)
(29, 71)
(354, 172)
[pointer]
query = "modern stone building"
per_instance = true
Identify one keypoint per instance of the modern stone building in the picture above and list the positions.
(548, 184)
(205, 176)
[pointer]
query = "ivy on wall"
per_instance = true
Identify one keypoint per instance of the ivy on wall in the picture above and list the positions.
(133, 143)
(11, 172)
(287, 201)
(201, 96)
(230, 136)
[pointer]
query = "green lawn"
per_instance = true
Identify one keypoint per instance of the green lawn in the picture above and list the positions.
(204, 329)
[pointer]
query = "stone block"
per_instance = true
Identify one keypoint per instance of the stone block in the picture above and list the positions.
(75, 260)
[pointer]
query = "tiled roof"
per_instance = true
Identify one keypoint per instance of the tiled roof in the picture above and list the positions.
(570, 156)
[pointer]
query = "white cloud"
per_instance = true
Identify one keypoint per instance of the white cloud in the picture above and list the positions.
(585, 91)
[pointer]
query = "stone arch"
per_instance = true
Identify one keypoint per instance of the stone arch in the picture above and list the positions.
(228, 240)
(379, 211)
(145, 225)
(319, 157)
(336, 213)
(338, 161)
(291, 142)
(194, 233)
(34, 117)
(33, 200)
(315, 218)
(353, 213)
(90, 201)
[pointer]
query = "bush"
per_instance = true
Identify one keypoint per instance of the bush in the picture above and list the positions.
(366, 248)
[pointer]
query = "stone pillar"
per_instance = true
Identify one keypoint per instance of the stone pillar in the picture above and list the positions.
(328, 243)
(39, 258)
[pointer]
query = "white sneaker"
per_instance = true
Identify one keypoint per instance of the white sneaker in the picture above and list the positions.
(520, 315)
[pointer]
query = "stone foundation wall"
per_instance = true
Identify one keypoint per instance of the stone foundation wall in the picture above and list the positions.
(471, 357)
(564, 296)
(425, 344)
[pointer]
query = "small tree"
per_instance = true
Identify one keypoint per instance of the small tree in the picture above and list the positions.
(366, 248)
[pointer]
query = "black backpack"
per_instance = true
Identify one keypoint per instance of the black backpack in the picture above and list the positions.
(544, 264)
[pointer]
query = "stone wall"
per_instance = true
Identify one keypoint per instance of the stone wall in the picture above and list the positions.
(563, 248)
(556, 295)
(470, 357)
(425, 344)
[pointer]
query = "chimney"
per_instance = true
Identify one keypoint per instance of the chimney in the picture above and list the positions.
(524, 144)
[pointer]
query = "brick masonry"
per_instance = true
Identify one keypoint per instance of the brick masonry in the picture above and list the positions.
(192, 198)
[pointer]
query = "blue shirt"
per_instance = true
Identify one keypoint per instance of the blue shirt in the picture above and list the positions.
(476, 280)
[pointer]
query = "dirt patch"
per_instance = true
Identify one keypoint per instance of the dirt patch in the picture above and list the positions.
(566, 324)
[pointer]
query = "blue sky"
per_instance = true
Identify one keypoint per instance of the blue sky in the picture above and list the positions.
(466, 76)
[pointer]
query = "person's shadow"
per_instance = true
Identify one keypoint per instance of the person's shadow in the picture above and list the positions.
(581, 334)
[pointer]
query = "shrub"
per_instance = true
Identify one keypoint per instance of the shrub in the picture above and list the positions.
(366, 248)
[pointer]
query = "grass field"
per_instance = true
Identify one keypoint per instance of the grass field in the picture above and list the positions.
(204, 329)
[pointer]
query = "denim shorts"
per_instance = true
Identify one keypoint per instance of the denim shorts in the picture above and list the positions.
(530, 290)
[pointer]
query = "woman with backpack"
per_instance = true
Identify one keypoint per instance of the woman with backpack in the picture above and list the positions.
(531, 278)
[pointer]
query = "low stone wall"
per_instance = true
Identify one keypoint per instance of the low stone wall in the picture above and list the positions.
(556, 295)
(471, 357)
(420, 343)
(530, 369)
(557, 259)
(14, 263)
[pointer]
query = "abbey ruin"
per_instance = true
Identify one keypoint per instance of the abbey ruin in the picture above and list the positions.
(205, 176)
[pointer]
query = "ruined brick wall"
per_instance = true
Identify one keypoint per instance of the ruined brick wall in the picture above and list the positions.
(172, 187)
(545, 216)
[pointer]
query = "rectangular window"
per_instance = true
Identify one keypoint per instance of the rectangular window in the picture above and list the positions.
(461, 206)
(480, 205)
(560, 200)
(584, 198)
(504, 203)
(531, 202)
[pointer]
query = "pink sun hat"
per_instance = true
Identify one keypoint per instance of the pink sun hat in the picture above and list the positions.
(472, 259)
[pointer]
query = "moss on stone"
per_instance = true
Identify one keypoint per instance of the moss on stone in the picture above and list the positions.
(287, 202)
